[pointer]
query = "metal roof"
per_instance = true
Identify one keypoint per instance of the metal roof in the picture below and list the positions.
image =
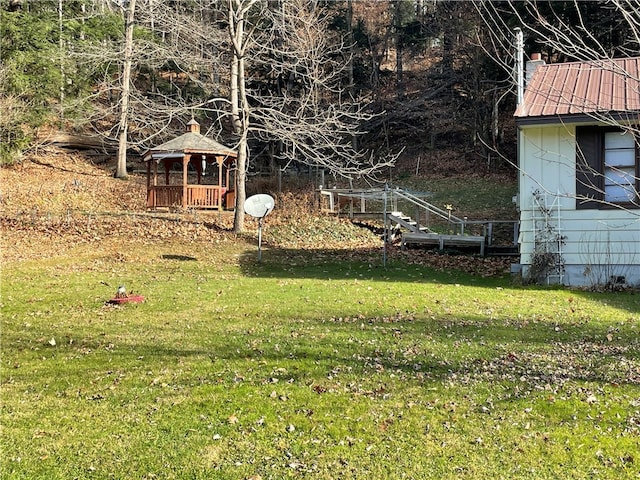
(582, 88)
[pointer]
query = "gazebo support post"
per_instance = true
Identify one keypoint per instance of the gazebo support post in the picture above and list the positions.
(198, 167)
(185, 179)
(219, 197)
(226, 181)
(150, 200)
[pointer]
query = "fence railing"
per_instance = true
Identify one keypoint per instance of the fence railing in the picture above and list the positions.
(360, 203)
(197, 196)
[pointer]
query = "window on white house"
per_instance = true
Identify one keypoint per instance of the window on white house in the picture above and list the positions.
(619, 167)
(607, 167)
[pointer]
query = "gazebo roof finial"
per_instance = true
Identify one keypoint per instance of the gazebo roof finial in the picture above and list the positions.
(193, 126)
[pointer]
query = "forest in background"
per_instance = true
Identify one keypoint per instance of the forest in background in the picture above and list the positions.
(355, 87)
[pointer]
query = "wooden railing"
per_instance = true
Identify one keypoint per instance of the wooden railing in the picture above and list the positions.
(164, 196)
(198, 196)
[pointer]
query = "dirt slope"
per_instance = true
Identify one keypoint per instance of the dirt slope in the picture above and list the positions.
(57, 182)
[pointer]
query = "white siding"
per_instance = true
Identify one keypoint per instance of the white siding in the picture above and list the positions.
(598, 244)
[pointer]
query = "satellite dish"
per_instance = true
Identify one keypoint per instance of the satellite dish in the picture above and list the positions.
(259, 205)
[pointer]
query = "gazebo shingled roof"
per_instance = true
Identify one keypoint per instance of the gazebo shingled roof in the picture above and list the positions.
(191, 142)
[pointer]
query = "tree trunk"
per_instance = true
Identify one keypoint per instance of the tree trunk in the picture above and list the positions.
(243, 149)
(241, 180)
(351, 41)
(63, 77)
(239, 104)
(121, 169)
(399, 53)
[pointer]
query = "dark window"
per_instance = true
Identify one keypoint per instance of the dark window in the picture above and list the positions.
(607, 168)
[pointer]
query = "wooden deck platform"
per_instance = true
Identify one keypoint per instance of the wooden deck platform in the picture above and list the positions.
(441, 240)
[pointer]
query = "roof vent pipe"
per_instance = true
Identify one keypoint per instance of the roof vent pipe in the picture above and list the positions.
(519, 64)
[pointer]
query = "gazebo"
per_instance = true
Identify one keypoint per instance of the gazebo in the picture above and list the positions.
(205, 162)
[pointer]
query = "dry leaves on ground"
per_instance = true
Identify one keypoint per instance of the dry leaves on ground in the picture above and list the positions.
(57, 200)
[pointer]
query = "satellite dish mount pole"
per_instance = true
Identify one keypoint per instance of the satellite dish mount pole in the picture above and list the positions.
(260, 238)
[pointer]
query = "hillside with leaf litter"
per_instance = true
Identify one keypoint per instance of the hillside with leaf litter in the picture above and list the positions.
(56, 201)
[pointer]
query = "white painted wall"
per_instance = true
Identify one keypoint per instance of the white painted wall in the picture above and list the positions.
(599, 243)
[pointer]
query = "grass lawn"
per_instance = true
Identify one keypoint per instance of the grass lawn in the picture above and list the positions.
(475, 197)
(310, 364)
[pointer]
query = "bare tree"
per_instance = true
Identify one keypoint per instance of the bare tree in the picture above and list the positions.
(296, 99)
(265, 72)
(175, 71)
(240, 35)
(123, 125)
(305, 106)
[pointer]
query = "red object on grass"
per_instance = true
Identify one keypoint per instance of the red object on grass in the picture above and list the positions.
(127, 299)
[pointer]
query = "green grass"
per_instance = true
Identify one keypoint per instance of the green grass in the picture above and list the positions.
(479, 198)
(309, 365)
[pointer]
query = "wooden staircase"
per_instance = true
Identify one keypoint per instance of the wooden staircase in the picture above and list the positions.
(417, 234)
(402, 220)
(400, 225)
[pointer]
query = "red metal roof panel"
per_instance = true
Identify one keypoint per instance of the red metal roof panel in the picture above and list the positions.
(583, 88)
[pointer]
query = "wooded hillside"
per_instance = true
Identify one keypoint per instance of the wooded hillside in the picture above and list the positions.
(351, 86)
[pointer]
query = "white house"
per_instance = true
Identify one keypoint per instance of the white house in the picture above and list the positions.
(579, 164)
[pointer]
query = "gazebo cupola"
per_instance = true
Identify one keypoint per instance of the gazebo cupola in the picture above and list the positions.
(187, 183)
(193, 126)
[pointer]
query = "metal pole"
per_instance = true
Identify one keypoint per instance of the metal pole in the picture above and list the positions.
(519, 74)
(386, 228)
(260, 239)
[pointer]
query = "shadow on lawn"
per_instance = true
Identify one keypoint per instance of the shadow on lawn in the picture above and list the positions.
(428, 267)
(533, 358)
(324, 264)
(356, 353)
